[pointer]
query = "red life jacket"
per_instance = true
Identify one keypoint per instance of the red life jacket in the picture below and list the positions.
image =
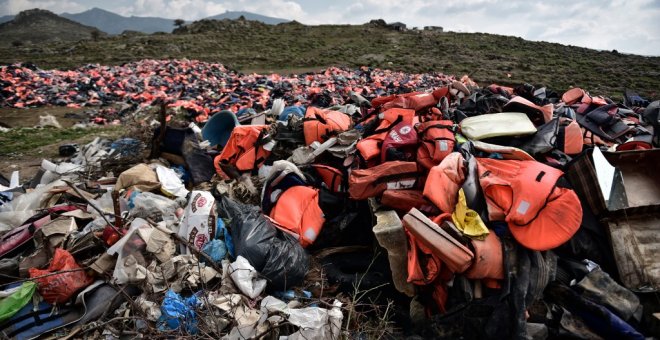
(371, 147)
(244, 150)
(438, 141)
(321, 124)
(400, 143)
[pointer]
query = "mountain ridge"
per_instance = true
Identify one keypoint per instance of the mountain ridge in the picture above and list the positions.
(113, 23)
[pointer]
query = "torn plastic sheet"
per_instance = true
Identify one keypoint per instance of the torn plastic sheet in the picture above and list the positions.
(182, 271)
(25, 206)
(170, 183)
(130, 265)
(148, 205)
(314, 322)
(149, 308)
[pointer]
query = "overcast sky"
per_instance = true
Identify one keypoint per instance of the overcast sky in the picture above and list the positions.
(631, 26)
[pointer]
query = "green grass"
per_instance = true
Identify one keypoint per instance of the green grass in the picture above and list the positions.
(23, 141)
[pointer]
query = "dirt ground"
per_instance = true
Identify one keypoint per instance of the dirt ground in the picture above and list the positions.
(29, 162)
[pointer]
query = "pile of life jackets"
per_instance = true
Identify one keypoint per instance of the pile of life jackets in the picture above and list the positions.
(470, 171)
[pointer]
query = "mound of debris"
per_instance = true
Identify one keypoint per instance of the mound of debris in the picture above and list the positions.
(342, 204)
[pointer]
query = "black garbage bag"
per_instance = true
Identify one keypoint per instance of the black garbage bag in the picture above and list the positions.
(277, 255)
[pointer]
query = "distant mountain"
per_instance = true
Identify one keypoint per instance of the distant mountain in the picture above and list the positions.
(233, 15)
(6, 18)
(112, 23)
(40, 26)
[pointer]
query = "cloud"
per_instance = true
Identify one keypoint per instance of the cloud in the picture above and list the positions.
(179, 9)
(15, 6)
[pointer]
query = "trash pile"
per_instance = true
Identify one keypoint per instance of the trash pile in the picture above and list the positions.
(344, 204)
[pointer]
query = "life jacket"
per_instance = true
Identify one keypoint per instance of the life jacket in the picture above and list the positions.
(540, 215)
(416, 102)
(282, 176)
(297, 210)
(372, 182)
(453, 254)
(438, 141)
(569, 137)
(488, 259)
(499, 89)
(539, 115)
(371, 147)
(245, 150)
(582, 99)
(404, 200)
(444, 181)
(400, 143)
(321, 124)
(333, 179)
(506, 152)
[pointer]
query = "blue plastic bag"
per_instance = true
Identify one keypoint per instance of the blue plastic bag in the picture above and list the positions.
(178, 313)
(216, 250)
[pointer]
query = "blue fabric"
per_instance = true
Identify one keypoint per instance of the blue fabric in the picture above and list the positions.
(246, 111)
(291, 110)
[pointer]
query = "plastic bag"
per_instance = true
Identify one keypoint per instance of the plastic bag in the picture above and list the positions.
(246, 278)
(59, 288)
(278, 256)
(177, 312)
(215, 249)
(15, 298)
(155, 207)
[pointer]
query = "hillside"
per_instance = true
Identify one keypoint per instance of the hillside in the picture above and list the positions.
(254, 46)
(112, 23)
(249, 16)
(41, 26)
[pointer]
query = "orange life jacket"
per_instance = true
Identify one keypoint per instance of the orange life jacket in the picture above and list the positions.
(244, 150)
(372, 182)
(438, 141)
(332, 178)
(416, 102)
(580, 97)
(321, 124)
(444, 181)
(540, 215)
(297, 210)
